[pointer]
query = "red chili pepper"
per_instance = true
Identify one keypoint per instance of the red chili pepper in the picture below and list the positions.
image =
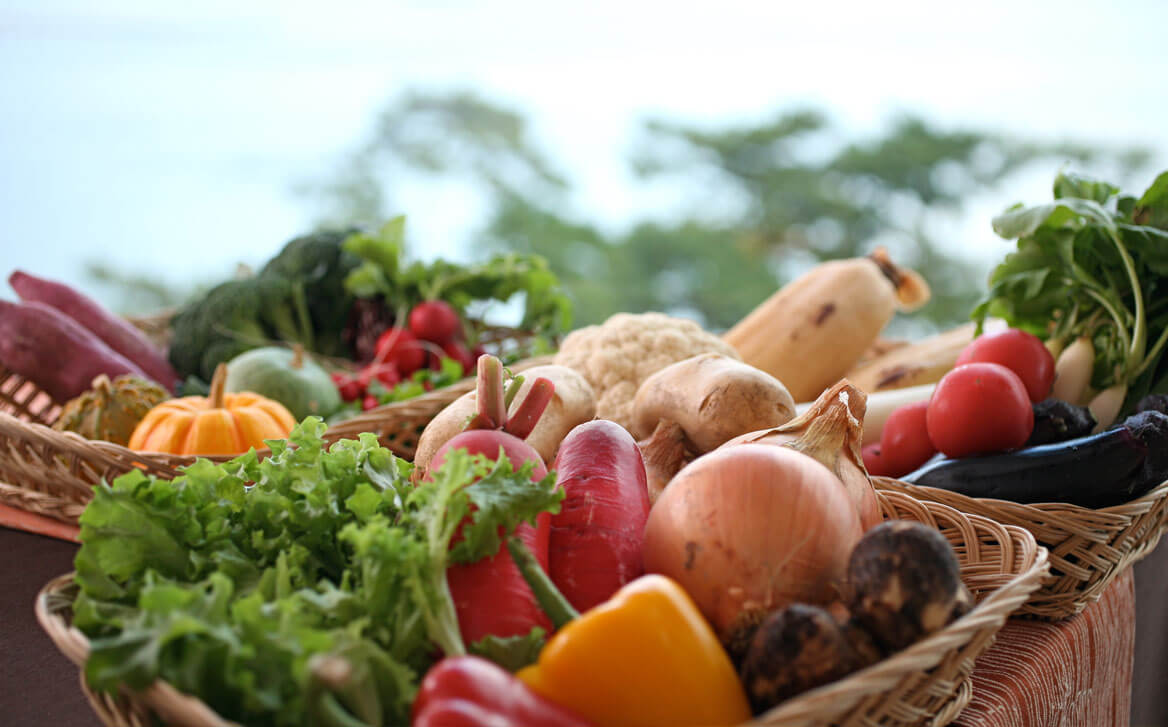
(468, 691)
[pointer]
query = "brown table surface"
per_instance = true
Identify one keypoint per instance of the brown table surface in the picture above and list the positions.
(38, 686)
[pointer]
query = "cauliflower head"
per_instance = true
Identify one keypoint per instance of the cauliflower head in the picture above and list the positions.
(616, 356)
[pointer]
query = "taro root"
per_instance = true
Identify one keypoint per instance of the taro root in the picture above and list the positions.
(797, 648)
(904, 582)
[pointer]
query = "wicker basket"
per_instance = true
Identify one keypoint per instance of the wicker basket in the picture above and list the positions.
(926, 684)
(51, 473)
(1088, 548)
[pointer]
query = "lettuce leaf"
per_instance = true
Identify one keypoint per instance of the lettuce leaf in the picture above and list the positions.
(245, 583)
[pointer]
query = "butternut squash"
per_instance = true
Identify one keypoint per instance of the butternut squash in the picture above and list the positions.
(814, 329)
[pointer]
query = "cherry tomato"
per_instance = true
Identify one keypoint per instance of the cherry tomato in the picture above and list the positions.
(904, 442)
(979, 408)
(1021, 352)
(401, 348)
(369, 402)
(435, 321)
(873, 461)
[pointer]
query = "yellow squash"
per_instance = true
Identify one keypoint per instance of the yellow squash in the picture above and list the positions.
(923, 362)
(813, 330)
(217, 424)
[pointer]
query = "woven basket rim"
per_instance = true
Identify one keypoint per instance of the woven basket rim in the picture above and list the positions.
(361, 422)
(1136, 506)
(1029, 566)
(1088, 548)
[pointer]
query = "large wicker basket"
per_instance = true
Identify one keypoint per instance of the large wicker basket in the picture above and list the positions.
(926, 684)
(1088, 548)
(51, 473)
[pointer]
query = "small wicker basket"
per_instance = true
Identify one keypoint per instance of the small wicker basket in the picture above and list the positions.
(1088, 548)
(51, 473)
(926, 684)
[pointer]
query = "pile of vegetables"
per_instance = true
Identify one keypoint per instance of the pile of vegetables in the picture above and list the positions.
(1029, 413)
(648, 531)
(335, 324)
(345, 587)
(1091, 268)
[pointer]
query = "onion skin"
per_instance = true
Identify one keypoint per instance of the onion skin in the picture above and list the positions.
(749, 529)
(831, 431)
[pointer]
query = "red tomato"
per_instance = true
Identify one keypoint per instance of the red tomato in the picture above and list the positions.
(978, 408)
(401, 348)
(873, 462)
(1019, 351)
(435, 321)
(905, 443)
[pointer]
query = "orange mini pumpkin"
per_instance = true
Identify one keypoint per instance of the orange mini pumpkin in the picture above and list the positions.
(216, 424)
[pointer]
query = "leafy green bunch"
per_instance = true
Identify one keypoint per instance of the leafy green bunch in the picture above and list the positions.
(310, 585)
(1092, 263)
(547, 310)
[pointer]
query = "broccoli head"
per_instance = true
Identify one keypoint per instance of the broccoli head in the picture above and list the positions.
(298, 297)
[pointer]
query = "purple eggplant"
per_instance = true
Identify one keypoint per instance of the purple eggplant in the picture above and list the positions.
(1099, 470)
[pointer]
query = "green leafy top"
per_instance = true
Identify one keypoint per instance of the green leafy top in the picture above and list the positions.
(241, 593)
(547, 310)
(1091, 263)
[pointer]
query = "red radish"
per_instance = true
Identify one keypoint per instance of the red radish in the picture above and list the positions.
(388, 375)
(477, 352)
(369, 402)
(596, 537)
(435, 321)
(401, 348)
(490, 595)
(459, 353)
(349, 388)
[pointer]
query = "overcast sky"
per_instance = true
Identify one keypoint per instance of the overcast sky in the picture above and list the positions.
(168, 137)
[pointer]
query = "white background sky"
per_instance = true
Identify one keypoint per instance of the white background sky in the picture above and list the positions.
(168, 137)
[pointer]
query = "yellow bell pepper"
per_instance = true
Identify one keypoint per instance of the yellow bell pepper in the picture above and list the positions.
(646, 657)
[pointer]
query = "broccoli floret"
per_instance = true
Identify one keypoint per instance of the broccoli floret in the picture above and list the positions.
(221, 324)
(298, 297)
(316, 266)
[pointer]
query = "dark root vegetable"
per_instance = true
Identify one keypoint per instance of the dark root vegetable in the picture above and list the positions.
(1057, 421)
(798, 648)
(904, 582)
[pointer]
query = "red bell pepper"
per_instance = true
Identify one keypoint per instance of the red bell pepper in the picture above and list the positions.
(469, 691)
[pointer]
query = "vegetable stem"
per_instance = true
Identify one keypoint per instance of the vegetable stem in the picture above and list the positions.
(218, 385)
(1120, 325)
(1138, 343)
(1152, 355)
(512, 391)
(492, 402)
(531, 409)
(559, 611)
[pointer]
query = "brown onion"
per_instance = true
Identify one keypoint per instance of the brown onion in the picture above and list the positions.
(831, 431)
(749, 529)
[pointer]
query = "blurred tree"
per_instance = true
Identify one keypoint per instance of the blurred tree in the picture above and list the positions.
(766, 201)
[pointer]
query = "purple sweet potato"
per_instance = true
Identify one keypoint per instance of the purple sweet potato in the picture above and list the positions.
(54, 351)
(114, 331)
